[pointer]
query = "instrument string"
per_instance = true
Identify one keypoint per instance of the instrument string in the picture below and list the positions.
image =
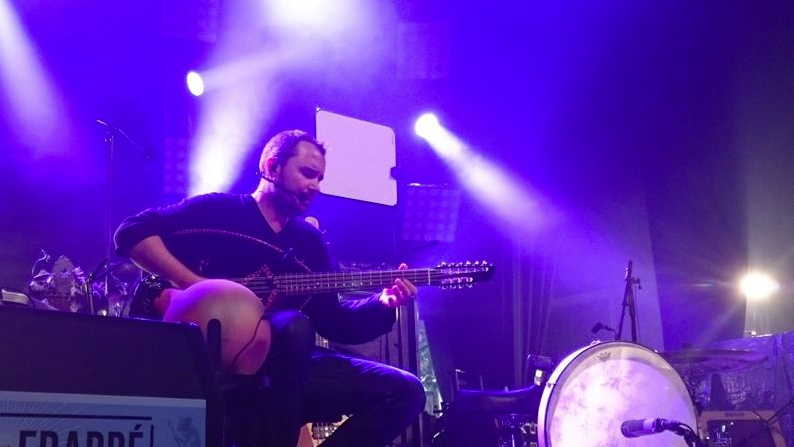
(306, 283)
(347, 279)
(344, 277)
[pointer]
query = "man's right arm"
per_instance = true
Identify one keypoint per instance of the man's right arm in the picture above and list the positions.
(141, 237)
(151, 255)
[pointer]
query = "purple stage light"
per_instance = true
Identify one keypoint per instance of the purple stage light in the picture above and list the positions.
(210, 169)
(312, 17)
(24, 80)
(227, 133)
(491, 185)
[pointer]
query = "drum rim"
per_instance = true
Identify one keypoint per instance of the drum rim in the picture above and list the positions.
(565, 363)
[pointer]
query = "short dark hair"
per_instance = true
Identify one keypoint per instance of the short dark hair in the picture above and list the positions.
(282, 146)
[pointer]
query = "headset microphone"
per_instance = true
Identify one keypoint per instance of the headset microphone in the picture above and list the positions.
(279, 187)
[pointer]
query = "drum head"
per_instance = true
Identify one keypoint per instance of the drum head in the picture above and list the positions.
(594, 390)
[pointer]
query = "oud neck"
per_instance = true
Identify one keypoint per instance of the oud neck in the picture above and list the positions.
(334, 282)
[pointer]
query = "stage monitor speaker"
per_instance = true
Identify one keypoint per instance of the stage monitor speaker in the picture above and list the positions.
(740, 429)
(84, 380)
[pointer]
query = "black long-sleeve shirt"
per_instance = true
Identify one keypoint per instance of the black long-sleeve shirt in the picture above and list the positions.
(225, 236)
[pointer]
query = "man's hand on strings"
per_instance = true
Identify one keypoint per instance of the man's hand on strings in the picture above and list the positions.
(400, 293)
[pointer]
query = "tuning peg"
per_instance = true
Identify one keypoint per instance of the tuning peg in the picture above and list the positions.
(443, 264)
(468, 263)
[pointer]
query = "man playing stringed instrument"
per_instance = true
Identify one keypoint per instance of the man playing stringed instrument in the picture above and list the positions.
(259, 239)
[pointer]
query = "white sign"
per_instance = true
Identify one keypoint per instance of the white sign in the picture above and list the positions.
(86, 420)
(359, 160)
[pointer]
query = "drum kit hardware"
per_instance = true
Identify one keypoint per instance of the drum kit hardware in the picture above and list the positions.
(61, 285)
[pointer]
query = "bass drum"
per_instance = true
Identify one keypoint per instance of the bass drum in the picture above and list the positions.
(595, 389)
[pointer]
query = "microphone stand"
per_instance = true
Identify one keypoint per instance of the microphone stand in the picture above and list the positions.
(110, 141)
(630, 305)
(690, 437)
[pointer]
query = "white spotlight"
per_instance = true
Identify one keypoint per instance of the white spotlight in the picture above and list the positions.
(488, 183)
(427, 125)
(757, 285)
(195, 83)
(313, 16)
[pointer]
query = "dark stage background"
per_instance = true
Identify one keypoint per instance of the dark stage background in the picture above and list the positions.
(658, 132)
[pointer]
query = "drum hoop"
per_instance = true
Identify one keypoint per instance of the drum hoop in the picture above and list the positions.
(564, 365)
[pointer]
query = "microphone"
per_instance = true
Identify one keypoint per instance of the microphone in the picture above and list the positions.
(116, 130)
(634, 428)
(109, 126)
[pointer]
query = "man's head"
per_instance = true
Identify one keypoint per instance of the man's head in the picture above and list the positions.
(292, 165)
(283, 146)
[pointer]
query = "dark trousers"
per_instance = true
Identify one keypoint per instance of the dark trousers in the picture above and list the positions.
(312, 384)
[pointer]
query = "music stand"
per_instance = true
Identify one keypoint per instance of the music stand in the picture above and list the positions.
(431, 213)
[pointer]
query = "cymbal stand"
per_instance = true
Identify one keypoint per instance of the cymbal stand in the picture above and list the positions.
(89, 286)
(629, 304)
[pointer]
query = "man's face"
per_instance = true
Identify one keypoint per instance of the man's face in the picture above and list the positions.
(298, 180)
